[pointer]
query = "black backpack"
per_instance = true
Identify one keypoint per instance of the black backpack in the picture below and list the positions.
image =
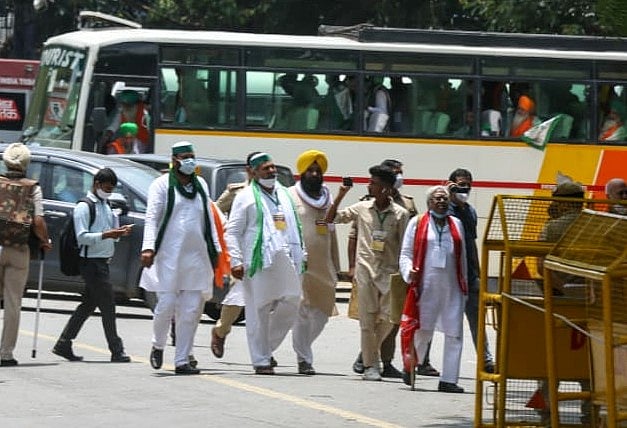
(69, 250)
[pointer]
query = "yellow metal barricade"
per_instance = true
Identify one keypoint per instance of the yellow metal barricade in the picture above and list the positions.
(532, 331)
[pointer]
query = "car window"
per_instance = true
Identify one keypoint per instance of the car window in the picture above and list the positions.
(69, 184)
(134, 181)
(228, 175)
(33, 171)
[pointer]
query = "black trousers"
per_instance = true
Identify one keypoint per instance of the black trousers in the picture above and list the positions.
(98, 294)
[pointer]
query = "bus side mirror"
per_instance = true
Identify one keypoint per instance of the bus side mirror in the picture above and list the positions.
(99, 119)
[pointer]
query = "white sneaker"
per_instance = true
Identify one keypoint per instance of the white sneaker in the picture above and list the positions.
(371, 373)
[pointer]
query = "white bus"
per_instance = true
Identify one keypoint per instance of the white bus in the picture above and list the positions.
(451, 97)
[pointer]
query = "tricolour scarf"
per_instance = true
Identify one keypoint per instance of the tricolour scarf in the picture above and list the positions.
(410, 320)
(174, 183)
(257, 259)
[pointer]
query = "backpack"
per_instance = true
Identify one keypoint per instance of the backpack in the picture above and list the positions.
(16, 211)
(69, 250)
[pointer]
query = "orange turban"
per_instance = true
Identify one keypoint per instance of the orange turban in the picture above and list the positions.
(306, 159)
(525, 103)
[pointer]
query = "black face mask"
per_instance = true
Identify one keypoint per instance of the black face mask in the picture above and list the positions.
(311, 185)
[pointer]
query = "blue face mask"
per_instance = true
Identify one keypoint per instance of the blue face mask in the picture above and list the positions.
(188, 166)
(437, 215)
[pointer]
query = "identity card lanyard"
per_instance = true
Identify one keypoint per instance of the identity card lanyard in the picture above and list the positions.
(378, 236)
(278, 217)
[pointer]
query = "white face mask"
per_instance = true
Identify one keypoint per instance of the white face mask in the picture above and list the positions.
(620, 209)
(268, 183)
(398, 183)
(188, 166)
(102, 194)
(462, 197)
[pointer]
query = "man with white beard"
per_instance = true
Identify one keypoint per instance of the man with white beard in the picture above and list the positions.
(524, 118)
(613, 128)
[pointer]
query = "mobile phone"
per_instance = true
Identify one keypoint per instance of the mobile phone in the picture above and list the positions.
(347, 182)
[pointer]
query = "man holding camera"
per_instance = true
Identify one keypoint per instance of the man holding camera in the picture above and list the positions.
(380, 227)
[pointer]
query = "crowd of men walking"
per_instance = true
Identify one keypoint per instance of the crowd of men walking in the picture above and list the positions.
(278, 248)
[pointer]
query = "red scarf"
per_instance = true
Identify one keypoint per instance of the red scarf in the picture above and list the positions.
(410, 320)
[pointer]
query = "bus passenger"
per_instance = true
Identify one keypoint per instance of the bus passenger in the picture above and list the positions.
(131, 109)
(525, 116)
(377, 113)
(127, 142)
(337, 111)
(613, 128)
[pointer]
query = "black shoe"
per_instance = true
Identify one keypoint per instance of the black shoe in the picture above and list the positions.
(11, 362)
(186, 369)
(390, 371)
(406, 378)
(450, 387)
(156, 358)
(427, 370)
(273, 362)
(358, 365)
(193, 361)
(120, 357)
(64, 349)
(305, 368)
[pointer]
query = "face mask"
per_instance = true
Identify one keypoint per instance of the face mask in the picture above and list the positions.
(188, 166)
(620, 209)
(102, 194)
(462, 197)
(436, 215)
(398, 183)
(268, 183)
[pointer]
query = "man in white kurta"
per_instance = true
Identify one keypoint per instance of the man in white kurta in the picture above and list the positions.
(312, 200)
(179, 239)
(442, 282)
(267, 254)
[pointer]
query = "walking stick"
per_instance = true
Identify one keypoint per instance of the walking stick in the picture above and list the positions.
(41, 280)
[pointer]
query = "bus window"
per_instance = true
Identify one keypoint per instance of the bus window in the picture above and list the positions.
(293, 99)
(612, 111)
(53, 110)
(198, 97)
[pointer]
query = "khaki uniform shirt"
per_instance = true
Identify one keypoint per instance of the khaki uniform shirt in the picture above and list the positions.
(373, 262)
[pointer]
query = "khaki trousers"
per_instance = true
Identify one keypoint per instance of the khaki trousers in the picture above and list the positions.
(13, 274)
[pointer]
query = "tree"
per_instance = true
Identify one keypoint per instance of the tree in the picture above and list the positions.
(536, 16)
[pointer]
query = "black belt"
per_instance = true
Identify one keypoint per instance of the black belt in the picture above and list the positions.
(106, 260)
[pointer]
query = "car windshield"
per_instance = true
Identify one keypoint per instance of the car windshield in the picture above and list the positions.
(51, 116)
(136, 176)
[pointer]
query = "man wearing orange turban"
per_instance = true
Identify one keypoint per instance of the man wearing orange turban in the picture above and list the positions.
(306, 159)
(524, 118)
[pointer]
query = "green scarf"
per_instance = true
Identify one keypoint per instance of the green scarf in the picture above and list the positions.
(257, 259)
(174, 183)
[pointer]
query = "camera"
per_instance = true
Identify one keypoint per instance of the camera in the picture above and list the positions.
(347, 182)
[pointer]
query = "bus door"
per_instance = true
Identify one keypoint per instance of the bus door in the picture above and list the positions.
(117, 99)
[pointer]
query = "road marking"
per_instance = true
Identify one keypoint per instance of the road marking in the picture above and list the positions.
(302, 402)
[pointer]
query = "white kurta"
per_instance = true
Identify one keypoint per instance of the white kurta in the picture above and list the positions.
(182, 262)
(267, 284)
(441, 301)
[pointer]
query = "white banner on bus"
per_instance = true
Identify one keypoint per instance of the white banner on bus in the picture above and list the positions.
(537, 136)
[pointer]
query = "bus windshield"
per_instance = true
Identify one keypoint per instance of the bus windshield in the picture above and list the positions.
(51, 118)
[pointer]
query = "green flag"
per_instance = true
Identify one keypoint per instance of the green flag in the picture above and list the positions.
(537, 136)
